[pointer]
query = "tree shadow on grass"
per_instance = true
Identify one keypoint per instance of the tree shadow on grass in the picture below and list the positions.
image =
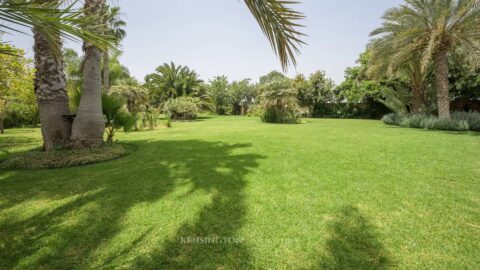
(84, 208)
(353, 244)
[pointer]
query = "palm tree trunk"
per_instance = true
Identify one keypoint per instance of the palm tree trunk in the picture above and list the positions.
(418, 99)
(106, 72)
(441, 79)
(51, 95)
(89, 124)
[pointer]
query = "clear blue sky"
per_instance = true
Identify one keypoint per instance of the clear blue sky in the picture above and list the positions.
(220, 37)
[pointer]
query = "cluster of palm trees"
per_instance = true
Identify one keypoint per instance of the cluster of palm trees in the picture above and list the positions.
(54, 20)
(416, 39)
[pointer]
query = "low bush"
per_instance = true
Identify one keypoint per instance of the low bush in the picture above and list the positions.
(414, 120)
(279, 103)
(472, 118)
(460, 121)
(392, 119)
(182, 108)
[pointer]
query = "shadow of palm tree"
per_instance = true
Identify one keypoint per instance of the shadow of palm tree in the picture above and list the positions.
(90, 203)
(353, 244)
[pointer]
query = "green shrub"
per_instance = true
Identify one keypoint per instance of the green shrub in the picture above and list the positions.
(460, 121)
(435, 123)
(393, 119)
(279, 103)
(182, 108)
(472, 118)
(415, 120)
(280, 115)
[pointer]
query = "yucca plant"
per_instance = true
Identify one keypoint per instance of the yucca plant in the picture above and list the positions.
(431, 30)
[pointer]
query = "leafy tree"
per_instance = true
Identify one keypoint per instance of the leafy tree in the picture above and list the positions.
(16, 86)
(464, 84)
(218, 91)
(434, 29)
(72, 62)
(244, 95)
(118, 73)
(315, 91)
(271, 77)
(358, 94)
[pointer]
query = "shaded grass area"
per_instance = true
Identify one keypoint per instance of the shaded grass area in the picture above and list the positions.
(39, 159)
(234, 193)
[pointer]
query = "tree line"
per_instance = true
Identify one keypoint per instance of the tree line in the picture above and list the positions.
(54, 20)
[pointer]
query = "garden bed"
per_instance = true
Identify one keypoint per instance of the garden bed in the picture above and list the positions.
(38, 159)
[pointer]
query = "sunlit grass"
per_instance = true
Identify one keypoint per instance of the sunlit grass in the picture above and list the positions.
(329, 194)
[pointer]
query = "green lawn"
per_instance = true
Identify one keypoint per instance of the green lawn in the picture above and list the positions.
(329, 194)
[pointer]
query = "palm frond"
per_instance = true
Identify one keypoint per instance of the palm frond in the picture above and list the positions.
(279, 24)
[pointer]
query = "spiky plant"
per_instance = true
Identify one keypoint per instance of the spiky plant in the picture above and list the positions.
(433, 29)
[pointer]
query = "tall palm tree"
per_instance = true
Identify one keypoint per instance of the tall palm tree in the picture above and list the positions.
(89, 124)
(50, 89)
(384, 63)
(434, 28)
(115, 27)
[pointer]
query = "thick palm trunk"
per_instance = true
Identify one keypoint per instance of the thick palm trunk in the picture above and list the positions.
(441, 79)
(106, 72)
(418, 99)
(89, 124)
(52, 98)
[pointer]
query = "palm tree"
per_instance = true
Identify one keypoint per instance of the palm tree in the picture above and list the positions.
(50, 18)
(383, 63)
(50, 89)
(89, 124)
(433, 29)
(115, 27)
(276, 19)
(172, 81)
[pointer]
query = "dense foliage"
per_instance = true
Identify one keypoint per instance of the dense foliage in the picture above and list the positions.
(279, 102)
(17, 99)
(182, 108)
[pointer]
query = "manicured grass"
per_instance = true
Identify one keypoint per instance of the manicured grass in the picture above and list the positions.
(329, 194)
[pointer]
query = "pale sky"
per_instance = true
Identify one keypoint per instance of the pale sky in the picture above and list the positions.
(220, 37)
